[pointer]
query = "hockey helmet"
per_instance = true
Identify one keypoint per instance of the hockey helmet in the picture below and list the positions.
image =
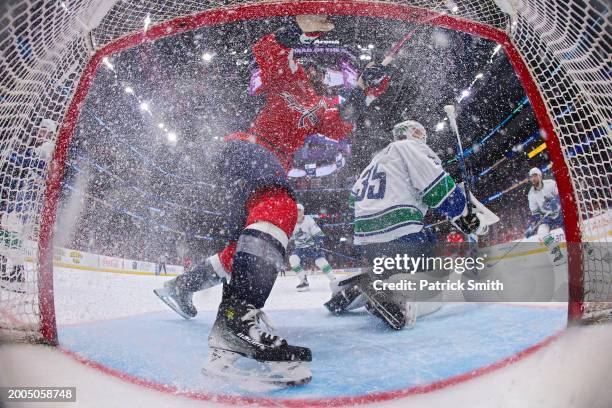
(535, 170)
(409, 129)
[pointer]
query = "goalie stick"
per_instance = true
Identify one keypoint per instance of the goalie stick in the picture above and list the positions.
(451, 113)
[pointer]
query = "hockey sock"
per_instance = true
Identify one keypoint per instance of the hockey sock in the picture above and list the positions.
(201, 277)
(222, 262)
(325, 267)
(301, 274)
(296, 267)
(261, 247)
(550, 243)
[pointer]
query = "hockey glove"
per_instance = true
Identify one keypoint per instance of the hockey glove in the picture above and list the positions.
(373, 76)
(468, 224)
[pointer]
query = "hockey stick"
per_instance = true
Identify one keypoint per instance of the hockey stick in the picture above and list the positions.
(518, 242)
(465, 174)
(340, 254)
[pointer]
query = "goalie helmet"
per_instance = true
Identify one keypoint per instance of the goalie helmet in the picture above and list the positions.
(409, 129)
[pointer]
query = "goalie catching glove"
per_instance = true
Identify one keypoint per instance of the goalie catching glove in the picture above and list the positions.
(469, 223)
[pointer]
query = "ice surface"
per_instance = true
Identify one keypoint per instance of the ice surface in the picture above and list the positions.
(115, 319)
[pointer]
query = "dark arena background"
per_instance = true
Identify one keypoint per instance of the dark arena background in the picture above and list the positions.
(113, 112)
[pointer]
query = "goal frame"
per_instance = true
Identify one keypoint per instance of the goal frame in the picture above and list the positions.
(254, 11)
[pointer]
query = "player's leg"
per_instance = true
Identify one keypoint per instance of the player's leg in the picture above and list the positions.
(296, 266)
(241, 324)
(241, 328)
(396, 309)
(549, 241)
(178, 293)
(324, 267)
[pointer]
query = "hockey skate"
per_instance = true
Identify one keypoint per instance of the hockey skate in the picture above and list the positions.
(178, 292)
(303, 286)
(558, 258)
(244, 348)
(178, 299)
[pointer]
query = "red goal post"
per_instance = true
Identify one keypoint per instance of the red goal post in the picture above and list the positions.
(52, 49)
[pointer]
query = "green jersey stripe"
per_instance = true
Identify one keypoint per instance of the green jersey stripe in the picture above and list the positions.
(387, 220)
(351, 201)
(439, 191)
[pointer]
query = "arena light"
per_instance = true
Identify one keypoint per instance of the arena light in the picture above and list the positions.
(342, 239)
(371, 46)
(440, 126)
(144, 106)
(207, 57)
(160, 125)
(128, 90)
(172, 137)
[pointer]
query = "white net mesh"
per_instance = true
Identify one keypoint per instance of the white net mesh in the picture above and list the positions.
(567, 48)
(46, 46)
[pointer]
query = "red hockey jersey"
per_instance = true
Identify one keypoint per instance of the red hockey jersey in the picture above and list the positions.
(293, 109)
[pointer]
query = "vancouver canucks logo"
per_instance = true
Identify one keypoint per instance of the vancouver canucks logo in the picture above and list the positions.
(306, 113)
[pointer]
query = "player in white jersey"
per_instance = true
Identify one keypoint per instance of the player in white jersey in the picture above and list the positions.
(391, 197)
(308, 241)
(546, 214)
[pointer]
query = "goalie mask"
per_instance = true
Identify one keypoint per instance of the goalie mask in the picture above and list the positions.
(409, 129)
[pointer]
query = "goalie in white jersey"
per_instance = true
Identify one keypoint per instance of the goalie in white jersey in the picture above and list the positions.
(546, 214)
(308, 240)
(391, 198)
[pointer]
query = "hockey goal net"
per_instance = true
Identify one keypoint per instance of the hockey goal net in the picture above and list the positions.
(51, 50)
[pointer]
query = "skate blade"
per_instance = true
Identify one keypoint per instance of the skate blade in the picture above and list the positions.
(227, 364)
(306, 289)
(171, 304)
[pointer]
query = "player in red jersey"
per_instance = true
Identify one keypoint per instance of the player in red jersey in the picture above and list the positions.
(455, 237)
(261, 211)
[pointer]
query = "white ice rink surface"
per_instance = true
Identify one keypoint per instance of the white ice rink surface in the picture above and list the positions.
(572, 371)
